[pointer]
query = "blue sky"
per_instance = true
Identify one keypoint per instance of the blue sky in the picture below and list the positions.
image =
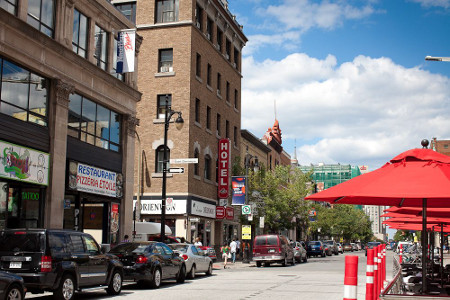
(349, 78)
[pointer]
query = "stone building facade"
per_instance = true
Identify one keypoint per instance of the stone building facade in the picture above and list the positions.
(65, 115)
(190, 61)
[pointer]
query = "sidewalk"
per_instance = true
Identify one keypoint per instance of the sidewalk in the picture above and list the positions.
(237, 265)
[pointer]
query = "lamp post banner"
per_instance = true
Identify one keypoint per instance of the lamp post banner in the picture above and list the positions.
(125, 52)
(224, 168)
(238, 194)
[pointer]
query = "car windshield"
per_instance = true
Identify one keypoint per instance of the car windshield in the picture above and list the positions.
(266, 240)
(329, 242)
(372, 244)
(180, 248)
(314, 243)
(21, 241)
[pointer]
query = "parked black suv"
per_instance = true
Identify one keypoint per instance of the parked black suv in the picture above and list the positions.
(60, 261)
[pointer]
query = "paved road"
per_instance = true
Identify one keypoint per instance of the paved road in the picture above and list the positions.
(319, 278)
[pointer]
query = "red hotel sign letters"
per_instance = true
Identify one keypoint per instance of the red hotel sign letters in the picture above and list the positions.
(224, 168)
(220, 212)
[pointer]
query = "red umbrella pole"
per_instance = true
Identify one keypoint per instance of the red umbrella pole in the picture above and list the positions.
(424, 245)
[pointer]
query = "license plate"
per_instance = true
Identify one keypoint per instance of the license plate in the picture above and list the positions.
(271, 250)
(15, 265)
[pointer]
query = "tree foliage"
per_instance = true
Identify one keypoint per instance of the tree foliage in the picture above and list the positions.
(279, 195)
(343, 221)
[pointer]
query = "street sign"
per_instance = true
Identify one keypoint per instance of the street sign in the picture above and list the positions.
(261, 222)
(176, 170)
(246, 232)
(184, 160)
(246, 210)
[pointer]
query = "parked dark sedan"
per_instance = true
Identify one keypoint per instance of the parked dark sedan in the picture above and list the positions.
(148, 263)
(316, 248)
(371, 245)
(11, 287)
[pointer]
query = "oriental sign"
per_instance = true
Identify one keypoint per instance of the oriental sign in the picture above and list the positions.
(23, 164)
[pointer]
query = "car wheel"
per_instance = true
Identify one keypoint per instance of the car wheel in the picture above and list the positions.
(191, 274)
(182, 274)
(210, 270)
(115, 286)
(306, 258)
(258, 264)
(293, 261)
(66, 289)
(267, 264)
(156, 280)
(15, 292)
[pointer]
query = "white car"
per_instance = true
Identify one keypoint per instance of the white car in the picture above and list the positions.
(340, 249)
(196, 260)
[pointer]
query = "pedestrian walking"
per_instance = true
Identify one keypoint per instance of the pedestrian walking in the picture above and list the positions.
(238, 247)
(225, 250)
(198, 242)
(125, 239)
(233, 248)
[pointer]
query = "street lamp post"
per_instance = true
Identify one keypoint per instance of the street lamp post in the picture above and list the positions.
(178, 124)
(246, 162)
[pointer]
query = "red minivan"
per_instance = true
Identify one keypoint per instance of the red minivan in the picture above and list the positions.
(272, 248)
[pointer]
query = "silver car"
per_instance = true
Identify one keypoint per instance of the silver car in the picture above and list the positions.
(196, 260)
(299, 252)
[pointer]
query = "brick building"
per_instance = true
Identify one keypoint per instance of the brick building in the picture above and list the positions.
(190, 61)
(441, 146)
(64, 112)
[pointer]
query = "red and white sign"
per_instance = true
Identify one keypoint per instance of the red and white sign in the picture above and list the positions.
(230, 213)
(224, 168)
(220, 212)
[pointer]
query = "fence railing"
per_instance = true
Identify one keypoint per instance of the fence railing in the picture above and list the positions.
(394, 287)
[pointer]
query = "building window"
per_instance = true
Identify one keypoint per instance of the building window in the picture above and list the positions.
(236, 99)
(199, 17)
(166, 11)
(218, 124)
(219, 39)
(80, 33)
(23, 94)
(227, 92)
(197, 110)
(196, 168)
(165, 60)
(93, 123)
(160, 159)
(114, 73)
(198, 66)
(207, 174)
(101, 47)
(128, 10)
(235, 135)
(227, 129)
(9, 5)
(219, 84)
(209, 29)
(445, 146)
(236, 59)
(208, 117)
(208, 75)
(164, 101)
(228, 49)
(41, 15)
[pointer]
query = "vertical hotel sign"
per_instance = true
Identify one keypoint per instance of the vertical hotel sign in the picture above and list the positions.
(224, 168)
(23, 164)
(125, 51)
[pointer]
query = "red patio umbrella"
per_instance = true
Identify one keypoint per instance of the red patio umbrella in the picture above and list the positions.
(414, 178)
(431, 212)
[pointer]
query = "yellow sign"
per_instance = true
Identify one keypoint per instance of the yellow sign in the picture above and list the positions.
(246, 232)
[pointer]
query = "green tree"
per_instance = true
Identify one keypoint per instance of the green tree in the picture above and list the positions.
(279, 195)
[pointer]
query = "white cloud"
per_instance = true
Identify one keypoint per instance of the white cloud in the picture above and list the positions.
(432, 3)
(286, 40)
(362, 112)
(305, 14)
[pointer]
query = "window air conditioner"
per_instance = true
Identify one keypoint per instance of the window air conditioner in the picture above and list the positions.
(208, 36)
(198, 24)
(227, 56)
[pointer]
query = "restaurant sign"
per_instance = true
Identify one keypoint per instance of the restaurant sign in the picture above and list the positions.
(23, 164)
(85, 178)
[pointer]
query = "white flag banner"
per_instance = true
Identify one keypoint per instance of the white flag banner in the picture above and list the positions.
(125, 52)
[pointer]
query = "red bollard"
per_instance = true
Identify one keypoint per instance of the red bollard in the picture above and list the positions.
(375, 272)
(380, 271)
(401, 253)
(351, 277)
(384, 265)
(369, 275)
